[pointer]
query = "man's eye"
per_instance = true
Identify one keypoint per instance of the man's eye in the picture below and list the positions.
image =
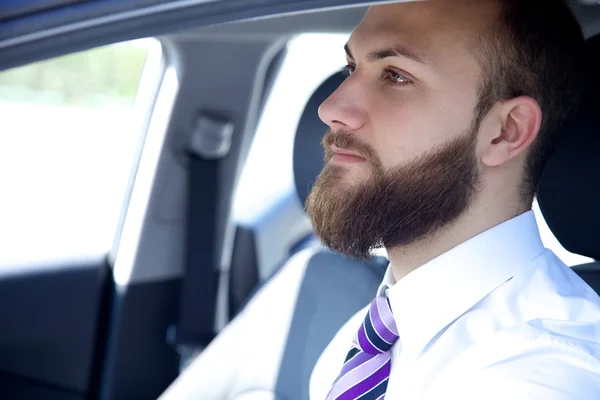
(397, 78)
(348, 70)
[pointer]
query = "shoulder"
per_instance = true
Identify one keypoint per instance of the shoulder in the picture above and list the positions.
(526, 362)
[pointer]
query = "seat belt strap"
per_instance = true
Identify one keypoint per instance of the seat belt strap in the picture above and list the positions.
(209, 143)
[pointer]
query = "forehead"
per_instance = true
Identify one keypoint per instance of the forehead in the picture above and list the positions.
(436, 29)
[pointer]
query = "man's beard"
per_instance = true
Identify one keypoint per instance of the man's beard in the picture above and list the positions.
(392, 208)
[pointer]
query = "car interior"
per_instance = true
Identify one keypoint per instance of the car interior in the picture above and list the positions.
(190, 289)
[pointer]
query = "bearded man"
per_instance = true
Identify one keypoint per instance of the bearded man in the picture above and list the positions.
(437, 141)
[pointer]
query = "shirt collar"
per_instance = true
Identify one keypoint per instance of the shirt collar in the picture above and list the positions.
(425, 301)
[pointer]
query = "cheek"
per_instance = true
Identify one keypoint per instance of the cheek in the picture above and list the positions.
(406, 129)
(402, 133)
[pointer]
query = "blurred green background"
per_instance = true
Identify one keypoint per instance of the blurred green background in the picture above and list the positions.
(103, 77)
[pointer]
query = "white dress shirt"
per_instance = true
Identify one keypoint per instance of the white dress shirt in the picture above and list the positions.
(497, 317)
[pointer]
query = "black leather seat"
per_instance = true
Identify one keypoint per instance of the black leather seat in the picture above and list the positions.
(569, 195)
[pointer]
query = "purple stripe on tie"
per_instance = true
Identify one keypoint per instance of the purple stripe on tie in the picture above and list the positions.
(367, 384)
(379, 324)
(359, 374)
(357, 360)
(386, 315)
(365, 375)
(364, 342)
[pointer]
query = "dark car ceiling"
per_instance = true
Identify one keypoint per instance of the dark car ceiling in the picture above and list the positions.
(343, 21)
(35, 36)
(334, 21)
(18, 8)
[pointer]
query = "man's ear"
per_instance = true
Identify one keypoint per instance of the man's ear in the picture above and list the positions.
(519, 120)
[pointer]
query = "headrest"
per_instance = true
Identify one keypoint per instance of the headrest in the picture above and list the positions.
(569, 193)
(308, 153)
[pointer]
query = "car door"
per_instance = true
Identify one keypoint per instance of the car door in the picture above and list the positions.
(69, 140)
(72, 126)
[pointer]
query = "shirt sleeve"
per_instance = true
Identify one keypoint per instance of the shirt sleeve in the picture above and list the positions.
(548, 371)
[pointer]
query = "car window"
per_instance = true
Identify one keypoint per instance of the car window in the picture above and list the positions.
(69, 136)
(296, 82)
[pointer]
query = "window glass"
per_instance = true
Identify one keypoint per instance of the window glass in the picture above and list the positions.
(68, 137)
(311, 59)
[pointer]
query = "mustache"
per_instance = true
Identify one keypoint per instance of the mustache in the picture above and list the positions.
(348, 141)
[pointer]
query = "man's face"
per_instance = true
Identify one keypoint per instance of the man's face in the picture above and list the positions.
(401, 153)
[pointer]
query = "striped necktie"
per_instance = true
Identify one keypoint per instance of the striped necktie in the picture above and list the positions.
(367, 367)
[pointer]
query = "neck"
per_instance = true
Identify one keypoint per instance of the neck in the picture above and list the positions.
(479, 218)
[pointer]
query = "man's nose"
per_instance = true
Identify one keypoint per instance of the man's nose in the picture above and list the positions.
(343, 109)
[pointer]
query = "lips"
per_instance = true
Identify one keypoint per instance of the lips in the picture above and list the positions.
(346, 153)
(345, 157)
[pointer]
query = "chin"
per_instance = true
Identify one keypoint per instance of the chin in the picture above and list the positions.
(353, 179)
(348, 175)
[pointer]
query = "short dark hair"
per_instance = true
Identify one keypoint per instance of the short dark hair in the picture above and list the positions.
(534, 49)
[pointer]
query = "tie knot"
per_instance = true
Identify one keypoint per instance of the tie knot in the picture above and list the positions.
(378, 332)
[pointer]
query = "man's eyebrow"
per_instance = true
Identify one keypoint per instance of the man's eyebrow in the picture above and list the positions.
(397, 51)
(348, 52)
